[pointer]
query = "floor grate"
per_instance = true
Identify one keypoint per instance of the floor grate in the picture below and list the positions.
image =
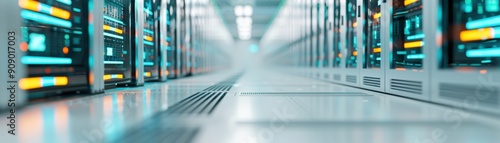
(303, 94)
(155, 133)
(199, 103)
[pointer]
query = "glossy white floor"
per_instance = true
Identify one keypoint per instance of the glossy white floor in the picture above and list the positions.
(263, 106)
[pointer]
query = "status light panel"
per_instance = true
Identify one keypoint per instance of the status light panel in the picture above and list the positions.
(117, 57)
(325, 34)
(337, 55)
(373, 44)
(474, 41)
(54, 43)
(351, 38)
(171, 47)
(408, 35)
(150, 51)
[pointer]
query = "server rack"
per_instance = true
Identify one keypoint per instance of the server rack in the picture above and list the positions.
(409, 69)
(467, 58)
(117, 31)
(373, 44)
(323, 59)
(162, 19)
(172, 39)
(349, 67)
(55, 46)
(151, 43)
(336, 61)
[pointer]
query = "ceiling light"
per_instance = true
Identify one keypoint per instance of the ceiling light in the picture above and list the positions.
(238, 10)
(243, 20)
(248, 10)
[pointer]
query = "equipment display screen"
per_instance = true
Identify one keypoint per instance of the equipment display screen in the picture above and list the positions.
(472, 41)
(53, 33)
(373, 48)
(408, 35)
(54, 43)
(117, 64)
(151, 59)
(337, 55)
(351, 34)
(171, 46)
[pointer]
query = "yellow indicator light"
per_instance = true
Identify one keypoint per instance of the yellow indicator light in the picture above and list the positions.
(39, 7)
(147, 74)
(376, 16)
(416, 44)
(148, 38)
(355, 53)
(476, 35)
(377, 50)
(408, 2)
(109, 28)
(355, 24)
(39, 82)
(112, 76)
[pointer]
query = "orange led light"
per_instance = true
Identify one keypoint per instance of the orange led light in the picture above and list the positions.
(23, 46)
(65, 50)
(355, 53)
(377, 50)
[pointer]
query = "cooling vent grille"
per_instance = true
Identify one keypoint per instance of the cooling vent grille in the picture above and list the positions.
(408, 86)
(371, 81)
(336, 77)
(460, 93)
(157, 133)
(351, 78)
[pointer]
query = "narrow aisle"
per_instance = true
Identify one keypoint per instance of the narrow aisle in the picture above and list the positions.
(254, 106)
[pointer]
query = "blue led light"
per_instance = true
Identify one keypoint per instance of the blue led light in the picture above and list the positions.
(68, 2)
(415, 37)
(486, 61)
(45, 19)
(48, 81)
(148, 31)
(113, 35)
(483, 23)
(37, 42)
(416, 56)
(491, 52)
(149, 63)
(401, 52)
(114, 62)
(112, 19)
(37, 60)
(149, 43)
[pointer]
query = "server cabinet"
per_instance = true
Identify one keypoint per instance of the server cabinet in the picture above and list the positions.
(55, 45)
(350, 68)
(172, 49)
(151, 43)
(336, 46)
(373, 29)
(467, 58)
(408, 71)
(117, 31)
